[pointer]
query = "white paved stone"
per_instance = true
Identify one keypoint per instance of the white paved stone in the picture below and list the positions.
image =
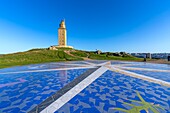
(105, 63)
(77, 64)
(89, 63)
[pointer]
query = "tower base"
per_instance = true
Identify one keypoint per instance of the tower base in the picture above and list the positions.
(64, 47)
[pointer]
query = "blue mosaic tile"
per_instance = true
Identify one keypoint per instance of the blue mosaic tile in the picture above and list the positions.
(119, 62)
(151, 66)
(165, 76)
(96, 61)
(113, 90)
(76, 62)
(37, 67)
(22, 92)
(19, 93)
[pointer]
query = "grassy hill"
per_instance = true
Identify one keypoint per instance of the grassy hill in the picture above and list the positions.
(106, 56)
(34, 56)
(43, 55)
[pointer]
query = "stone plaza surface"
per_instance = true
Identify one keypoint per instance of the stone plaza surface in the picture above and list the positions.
(21, 92)
(112, 90)
(86, 86)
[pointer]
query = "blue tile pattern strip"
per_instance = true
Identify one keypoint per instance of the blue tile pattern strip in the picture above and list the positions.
(62, 91)
(38, 67)
(22, 92)
(165, 76)
(151, 66)
(112, 90)
(97, 61)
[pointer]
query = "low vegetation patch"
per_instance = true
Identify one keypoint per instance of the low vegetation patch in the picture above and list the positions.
(111, 57)
(33, 57)
(43, 55)
(80, 53)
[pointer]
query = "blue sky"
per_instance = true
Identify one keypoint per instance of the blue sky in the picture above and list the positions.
(108, 25)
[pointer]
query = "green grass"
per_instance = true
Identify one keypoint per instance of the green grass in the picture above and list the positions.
(33, 57)
(43, 55)
(60, 48)
(95, 56)
(105, 57)
(80, 53)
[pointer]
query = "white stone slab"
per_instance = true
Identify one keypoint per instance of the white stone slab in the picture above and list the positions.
(89, 63)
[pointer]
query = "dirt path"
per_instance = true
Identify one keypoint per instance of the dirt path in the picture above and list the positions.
(68, 52)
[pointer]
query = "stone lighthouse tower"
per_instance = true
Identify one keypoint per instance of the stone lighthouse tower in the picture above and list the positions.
(62, 37)
(62, 34)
